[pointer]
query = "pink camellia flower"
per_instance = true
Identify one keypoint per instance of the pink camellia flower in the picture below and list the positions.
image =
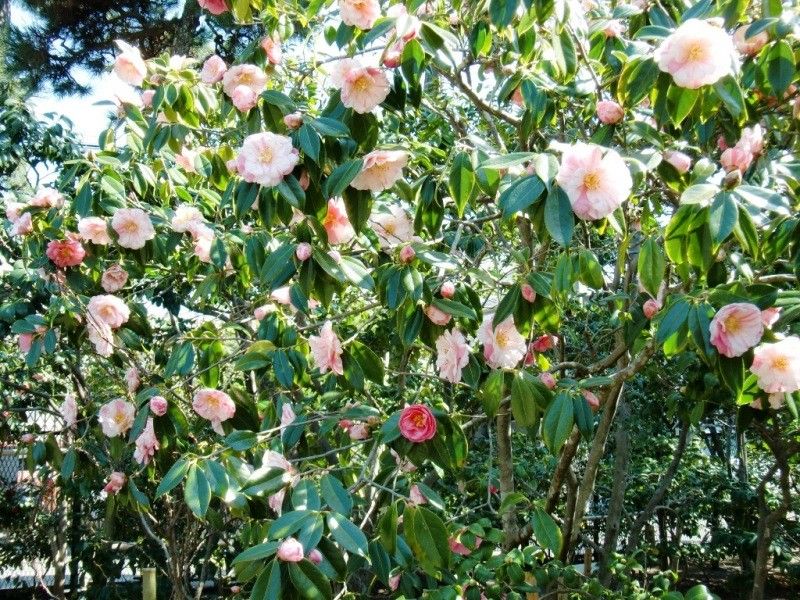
(752, 139)
(609, 112)
(14, 210)
(215, 7)
(407, 254)
(528, 293)
(452, 355)
(406, 26)
(315, 556)
(116, 481)
(437, 316)
(596, 181)
(503, 346)
(69, 411)
(336, 223)
(304, 180)
(185, 159)
(287, 416)
(202, 248)
(749, 46)
(591, 399)
(22, 226)
(736, 328)
(381, 170)
(266, 158)
(187, 218)
(651, 307)
(65, 253)
(544, 343)
(326, 350)
(213, 70)
(262, 311)
(146, 444)
(114, 279)
(394, 582)
(614, 28)
(345, 424)
(364, 88)
(416, 496)
(696, 54)
(530, 356)
(116, 417)
(94, 230)
(132, 379)
(777, 365)
(109, 310)
(303, 251)
(393, 227)
(393, 56)
(736, 158)
(293, 120)
(129, 65)
(448, 290)
(244, 98)
(133, 227)
(248, 75)
(417, 423)
(272, 48)
(548, 379)
(680, 162)
(147, 98)
(215, 406)
(47, 198)
(101, 335)
(360, 13)
(358, 431)
(458, 548)
(290, 550)
(770, 316)
(158, 405)
(25, 341)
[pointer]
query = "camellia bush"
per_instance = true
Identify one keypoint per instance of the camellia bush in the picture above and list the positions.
(293, 288)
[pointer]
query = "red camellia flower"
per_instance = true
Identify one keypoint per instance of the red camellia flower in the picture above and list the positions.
(65, 253)
(417, 423)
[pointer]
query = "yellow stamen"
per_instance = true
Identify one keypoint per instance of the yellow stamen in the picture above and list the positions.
(591, 181)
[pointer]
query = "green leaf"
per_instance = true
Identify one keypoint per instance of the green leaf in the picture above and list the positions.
(511, 500)
(309, 581)
(268, 584)
(680, 102)
(780, 67)
(370, 362)
(502, 12)
(491, 393)
(521, 194)
(181, 360)
(674, 318)
(557, 423)
(173, 477)
(651, 266)
(288, 523)
(722, 216)
(462, 181)
(507, 160)
(335, 494)
(732, 97)
(341, 177)
(427, 536)
(523, 401)
(309, 142)
(197, 492)
(137, 494)
(329, 127)
(507, 305)
(283, 369)
(241, 440)
(637, 80)
(558, 216)
(68, 463)
(546, 530)
(454, 308)
(258, 552)
(347, 535)
(387, 529)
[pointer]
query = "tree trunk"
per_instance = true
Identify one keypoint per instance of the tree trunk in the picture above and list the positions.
(506, 464)
(661, 489)
(614, 517)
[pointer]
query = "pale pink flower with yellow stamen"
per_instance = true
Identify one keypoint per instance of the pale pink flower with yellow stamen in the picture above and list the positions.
(696, 54)
(392, 228)
(109, 310)
(381, 170)
(133, 227)
(503, 346)
(129, 65)
(777, 366)
(595, 180)
(336, 223)
(266, 158)
(215, 406)
(213, 70)
(47, 198)
(326, 350)
(736, 328)
(247, 75)
(116, 417)
(364, 88)
(146, 444)
(359, 13)
(94, 230)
